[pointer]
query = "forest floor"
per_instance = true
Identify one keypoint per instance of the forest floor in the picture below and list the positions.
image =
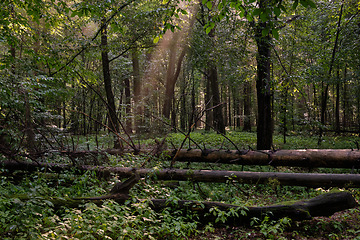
(341, 225)
(37, 219)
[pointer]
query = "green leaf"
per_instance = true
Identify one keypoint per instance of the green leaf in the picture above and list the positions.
(263, 17)
(304, 3)
(208, 29)
(220, 6)
(249, 18)
(209, 5)
(277, 11)
(275, 34)
(282, 7)
(156, 39)
(257, 12)
(311, 3)
(265, 32)
(184, 12)
(295, 4)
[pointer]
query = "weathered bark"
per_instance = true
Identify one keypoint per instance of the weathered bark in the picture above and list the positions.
(128, 123)
(279, 178)
(218, 117)
(311, 158)
(263, 87)
(113, 121)
(137, 89)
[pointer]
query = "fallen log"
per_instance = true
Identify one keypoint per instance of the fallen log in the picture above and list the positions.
(309, 158)
(313, 180)
(322, 205)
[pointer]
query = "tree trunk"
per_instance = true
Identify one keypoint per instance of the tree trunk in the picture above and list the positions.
(218, 118)
(212, 75)
(313, 180)
(324, 95)
(172, 74)
(309, 158)
(346, 110)
(263, 87)
(183, 108)
(247, 106)
(337, 106)
(322, 205)
(29, 128)
(208, 105)
(137, 90)
(128, 124)
(229, 109)
(113, 120)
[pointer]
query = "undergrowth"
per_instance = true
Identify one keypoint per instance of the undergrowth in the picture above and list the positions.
(27, 210)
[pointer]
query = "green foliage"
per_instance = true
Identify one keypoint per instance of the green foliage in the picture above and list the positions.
(244, 140)
(271, 229)
(27, 210)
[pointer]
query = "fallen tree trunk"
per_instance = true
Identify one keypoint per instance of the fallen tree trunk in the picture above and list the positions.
(310, 158)
(322, 205)
(289, 179)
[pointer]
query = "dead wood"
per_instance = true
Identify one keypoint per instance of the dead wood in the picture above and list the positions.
(279, 178)
(322, 205)
(309, 158)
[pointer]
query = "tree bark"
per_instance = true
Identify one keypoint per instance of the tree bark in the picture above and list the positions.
(208, 104)
(128, 123)
(309, 158)
(218, 117)
(137, 89)
(313, 180)
(337, 109)
(113, 121)
(247, 106)
(212, 75)
(263, 87)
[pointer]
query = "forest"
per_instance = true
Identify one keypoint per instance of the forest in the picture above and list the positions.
(179, 119)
